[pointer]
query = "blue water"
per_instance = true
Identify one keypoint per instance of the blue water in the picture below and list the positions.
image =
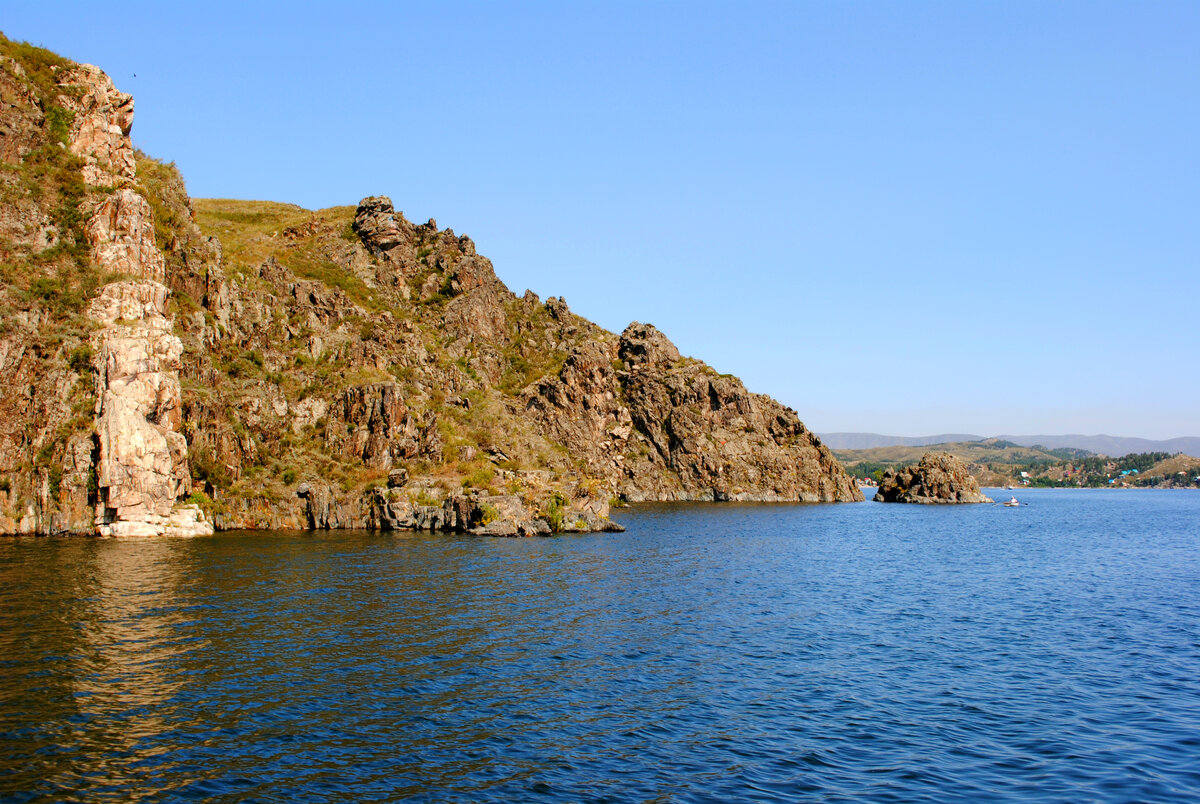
(709, 653)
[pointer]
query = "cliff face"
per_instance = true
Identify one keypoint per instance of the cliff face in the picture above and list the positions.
(128, 470)
(939, 478)
(342, 368)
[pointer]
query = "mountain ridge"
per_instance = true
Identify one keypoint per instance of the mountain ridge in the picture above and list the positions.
(1113, 446)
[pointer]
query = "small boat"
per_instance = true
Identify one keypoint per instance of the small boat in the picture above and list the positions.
(1012, 503)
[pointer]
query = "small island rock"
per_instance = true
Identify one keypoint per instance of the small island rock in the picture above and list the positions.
(939, 478)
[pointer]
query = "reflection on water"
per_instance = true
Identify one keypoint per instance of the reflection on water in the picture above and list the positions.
(722, 652)
(101, 649)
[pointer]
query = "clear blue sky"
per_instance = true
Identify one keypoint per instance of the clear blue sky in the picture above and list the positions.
(906, 218)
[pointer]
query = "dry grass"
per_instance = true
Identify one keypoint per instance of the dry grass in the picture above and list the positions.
(249, 231)
(253, 231)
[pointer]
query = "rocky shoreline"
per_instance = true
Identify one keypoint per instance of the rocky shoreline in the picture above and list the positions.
(254, 365)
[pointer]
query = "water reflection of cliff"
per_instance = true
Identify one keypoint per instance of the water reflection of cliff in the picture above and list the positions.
(274, 660)
(94, 634)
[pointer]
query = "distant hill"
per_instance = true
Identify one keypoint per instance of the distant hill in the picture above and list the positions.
(837, 441)
(991, 461)
(998, 462)
(1113, 446)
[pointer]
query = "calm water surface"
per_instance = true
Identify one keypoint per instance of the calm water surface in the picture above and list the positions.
(710, 653)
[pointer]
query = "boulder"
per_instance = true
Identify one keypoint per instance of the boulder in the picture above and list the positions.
(643, 343)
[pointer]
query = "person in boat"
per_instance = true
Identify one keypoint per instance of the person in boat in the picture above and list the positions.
(1013, 501)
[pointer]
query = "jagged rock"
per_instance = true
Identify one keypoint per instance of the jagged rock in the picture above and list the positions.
(21, 125)
(136, 354)
(284, 374)
(187, 520)
(121, 235)
(938, 478)
(431, 517)
(643, 344)
(319, 509)
(127, 475)
(535, 527)
(142, 471)
(372, 424)
(100, 127)
(376, 223)
(719, 440)
(587, 521)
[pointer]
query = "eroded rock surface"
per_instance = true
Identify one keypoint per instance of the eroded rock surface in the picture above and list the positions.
(121, 235)
(344, 368)
(103, 117)
(939, 478)
(662, 427)
(142, 469)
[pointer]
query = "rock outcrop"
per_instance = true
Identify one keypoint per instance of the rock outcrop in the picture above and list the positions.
(343, 368)
(121, 235)
(939, 478)
(142, 468)
(658, 426)
(126, 471)
(718, 440)
(101, 120)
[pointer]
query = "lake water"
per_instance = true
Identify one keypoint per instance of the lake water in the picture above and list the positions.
(709, 653)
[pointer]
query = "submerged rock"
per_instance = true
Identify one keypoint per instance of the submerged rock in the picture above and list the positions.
(938, 479)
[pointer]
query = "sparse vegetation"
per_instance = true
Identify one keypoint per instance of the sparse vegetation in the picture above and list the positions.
(555, 511)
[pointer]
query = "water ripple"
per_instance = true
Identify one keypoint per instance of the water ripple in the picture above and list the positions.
(710, 653)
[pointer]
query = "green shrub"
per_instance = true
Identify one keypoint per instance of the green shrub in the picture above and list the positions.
(425, 498)
(55, 476)
(556, 510)
(80, 359)
(206, 469)
(207, 504)
(480, 478)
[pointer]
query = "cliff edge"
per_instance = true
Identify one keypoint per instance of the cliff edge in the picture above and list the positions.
(177, 365)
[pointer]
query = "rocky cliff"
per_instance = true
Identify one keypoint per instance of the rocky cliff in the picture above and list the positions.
(132, 455)
(260, 365)
(938, 478)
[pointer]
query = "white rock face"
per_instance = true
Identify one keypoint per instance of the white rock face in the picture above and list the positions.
(100, 130)
(121, 234)
(143, 469)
